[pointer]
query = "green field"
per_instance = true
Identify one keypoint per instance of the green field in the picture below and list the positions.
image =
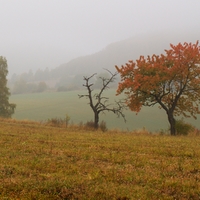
(43, 106)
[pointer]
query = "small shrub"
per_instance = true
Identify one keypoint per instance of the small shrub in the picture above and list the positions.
(57, 122)
(183, 128)
(89, 124)
(103, 126)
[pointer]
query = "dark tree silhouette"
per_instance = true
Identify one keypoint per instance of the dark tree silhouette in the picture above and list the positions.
(6, 108)
(100, 103)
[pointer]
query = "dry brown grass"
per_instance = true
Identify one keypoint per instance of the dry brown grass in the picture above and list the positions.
(43, 162)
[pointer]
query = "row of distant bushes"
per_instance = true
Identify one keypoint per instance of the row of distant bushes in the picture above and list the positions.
(182, 127)
(59, 122)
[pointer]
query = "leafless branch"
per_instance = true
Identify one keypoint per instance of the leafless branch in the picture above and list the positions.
(101, 102)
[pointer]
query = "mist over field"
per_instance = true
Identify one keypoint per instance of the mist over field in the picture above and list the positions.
(51, 33)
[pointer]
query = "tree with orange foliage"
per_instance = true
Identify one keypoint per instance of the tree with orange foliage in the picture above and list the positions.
(171, 80)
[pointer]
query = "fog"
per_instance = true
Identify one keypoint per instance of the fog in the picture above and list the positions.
(39, 34)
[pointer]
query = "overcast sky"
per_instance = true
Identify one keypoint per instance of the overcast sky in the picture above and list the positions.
(46, 33)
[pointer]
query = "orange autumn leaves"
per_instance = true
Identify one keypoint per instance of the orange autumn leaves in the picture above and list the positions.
(171, 80)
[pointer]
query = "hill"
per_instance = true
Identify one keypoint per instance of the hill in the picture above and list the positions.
(120, 52)
(70, 74)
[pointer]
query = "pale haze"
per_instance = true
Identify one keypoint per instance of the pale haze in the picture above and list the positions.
(47, 33)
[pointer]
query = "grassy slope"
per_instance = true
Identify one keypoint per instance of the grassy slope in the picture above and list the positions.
(39, 162)
(49, 105)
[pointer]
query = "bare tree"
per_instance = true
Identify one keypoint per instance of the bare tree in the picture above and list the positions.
(100, 103)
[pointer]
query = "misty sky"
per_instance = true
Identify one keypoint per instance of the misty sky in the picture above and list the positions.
(46, 33)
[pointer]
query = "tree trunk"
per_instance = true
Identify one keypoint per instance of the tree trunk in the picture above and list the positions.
(172, 123)
(96, 120)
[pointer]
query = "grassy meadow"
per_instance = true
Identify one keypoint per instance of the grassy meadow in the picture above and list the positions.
(43, 106)
(44, 162)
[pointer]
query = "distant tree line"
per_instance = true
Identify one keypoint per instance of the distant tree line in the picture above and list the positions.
(43, 80)
(22, 87)
(29, 82)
